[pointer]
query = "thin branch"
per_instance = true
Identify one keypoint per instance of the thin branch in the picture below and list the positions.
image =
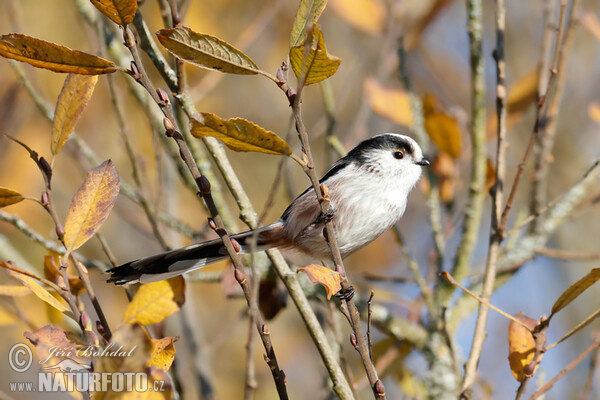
(479, 333)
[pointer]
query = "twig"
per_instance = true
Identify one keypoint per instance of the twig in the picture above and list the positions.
(479, 333)
(369, 312)
(476, 196)
(569, 367)
(250, 386)
(588, 387)
(567, 255)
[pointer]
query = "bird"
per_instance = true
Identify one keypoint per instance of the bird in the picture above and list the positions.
(368, 190)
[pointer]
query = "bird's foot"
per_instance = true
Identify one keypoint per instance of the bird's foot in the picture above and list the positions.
(346, 294)
(325, 217)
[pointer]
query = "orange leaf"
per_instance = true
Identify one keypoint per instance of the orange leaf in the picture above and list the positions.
(91, 204)
(52, 271)
(490, 175)
(121, 12)
(54, 57)
(521, 346)
(330, 279)
(442, 128)
(367, 15)
(392, 104)
(594, 111)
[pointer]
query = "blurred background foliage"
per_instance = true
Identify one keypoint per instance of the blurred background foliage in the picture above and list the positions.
(366, 36)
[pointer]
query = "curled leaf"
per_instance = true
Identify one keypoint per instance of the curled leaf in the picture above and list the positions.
(206, 51)
(91, 204)
(52, 272)
(121, 12)
(575, 290)
(308, 13)
(330, 279)
(392, 104)
(9, 196)
(240, 134)
(315, 65)
(163, 352)
(521, 347)
(54, 57)
(74, 97)
(155, 301)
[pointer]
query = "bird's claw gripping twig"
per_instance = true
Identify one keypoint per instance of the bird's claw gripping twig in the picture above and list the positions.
(345, 294)
(325, 217)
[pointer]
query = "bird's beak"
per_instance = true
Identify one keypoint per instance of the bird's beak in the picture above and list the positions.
(423, 162)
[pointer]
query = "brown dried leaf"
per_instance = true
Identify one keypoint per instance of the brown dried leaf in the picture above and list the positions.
(54, 57)
(133, 347)
(330, 279)
(490, 175)
(367, 15)
(316, 65)
(74, 97)
(52, 271)
(240, 134)
(155, 301)
(575, 290)
(442, 128)
(121, 12)
(163, 352)
(9, 196)
(36, 288)
(308, 14)
(47, 339)
(91, 204)
(392, 104)
(206, 51)
(521, 346)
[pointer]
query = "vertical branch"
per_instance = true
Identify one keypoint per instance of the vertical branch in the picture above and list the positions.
(497, 201)
(474, 207)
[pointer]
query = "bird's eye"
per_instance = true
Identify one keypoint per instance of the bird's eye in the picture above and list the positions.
(399, 155)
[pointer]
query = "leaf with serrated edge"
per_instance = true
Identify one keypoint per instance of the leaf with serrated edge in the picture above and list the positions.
(206, 51)
(121, 12)
(38, 290)
(392, 104)
(74, 97)
(317, 65)
(54, 57)
(330, 279)
(91, 204)
(9, 196)
(308, 13)
(163, 352)
(240, 134)
(575, 290)
(155, 301)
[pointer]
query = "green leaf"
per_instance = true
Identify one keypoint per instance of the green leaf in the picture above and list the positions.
(206, 51)
(308, 13)
(315, 65)
(240, 134)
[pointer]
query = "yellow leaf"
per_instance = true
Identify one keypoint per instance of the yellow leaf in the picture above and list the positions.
(575, 290)
(594, 111)
(240, 134)
(155, 301)
(52, 271)
(206, 51)
(163, 352)
(13, 291)
(7, 318)
(37, 289)
(308, 14)
(316, 65)
(74, 97)
(328, 278)
(521, 346)
(54, 57)
(366, 15)
(392, 104)
(442, 129)
(521, 94)
(9, 196)
(121, 12)
(91, 204)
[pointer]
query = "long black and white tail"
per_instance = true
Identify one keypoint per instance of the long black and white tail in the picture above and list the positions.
(176, 262)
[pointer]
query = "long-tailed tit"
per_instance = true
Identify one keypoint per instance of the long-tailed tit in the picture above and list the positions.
(368, 190)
